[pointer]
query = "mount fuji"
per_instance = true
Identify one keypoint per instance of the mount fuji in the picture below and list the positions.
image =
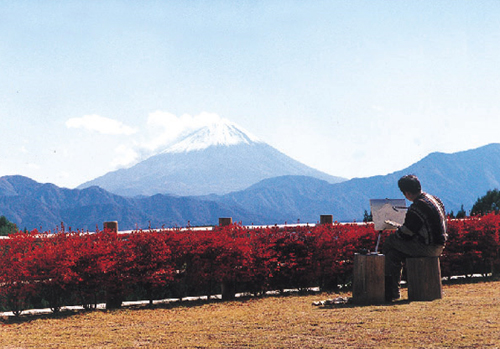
(216, 159)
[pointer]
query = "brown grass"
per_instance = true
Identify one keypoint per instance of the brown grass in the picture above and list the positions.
(467, 317)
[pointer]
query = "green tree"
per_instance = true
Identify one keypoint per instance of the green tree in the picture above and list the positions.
(367, 217)
(6, 227)
(488, 203)
(461, 213)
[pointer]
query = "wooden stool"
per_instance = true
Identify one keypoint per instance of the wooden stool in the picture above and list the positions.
(424, 279)
(368, 284)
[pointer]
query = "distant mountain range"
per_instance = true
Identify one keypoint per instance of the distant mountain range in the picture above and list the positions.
(216, 159)
(458, 179)
(44, 206)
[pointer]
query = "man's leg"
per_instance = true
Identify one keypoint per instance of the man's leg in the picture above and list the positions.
(396, 250)
(393, 267)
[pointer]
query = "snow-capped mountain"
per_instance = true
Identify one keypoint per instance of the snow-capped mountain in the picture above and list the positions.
(219, 133)
(216, 159)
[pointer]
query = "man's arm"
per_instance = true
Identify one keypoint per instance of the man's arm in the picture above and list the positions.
(412, 224)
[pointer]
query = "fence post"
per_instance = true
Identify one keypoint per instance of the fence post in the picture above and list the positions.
(225, 221)
(326, 219)
(113, 226)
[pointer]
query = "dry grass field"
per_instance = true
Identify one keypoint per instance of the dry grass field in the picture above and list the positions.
(467, 317)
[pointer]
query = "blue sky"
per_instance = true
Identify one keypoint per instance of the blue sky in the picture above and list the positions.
(352, 88)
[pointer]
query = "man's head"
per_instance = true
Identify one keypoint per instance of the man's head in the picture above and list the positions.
(410, 186)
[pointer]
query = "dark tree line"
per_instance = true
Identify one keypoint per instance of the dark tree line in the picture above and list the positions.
(487, 203)
(6, 227)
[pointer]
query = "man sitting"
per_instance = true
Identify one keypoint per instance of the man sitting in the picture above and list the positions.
(423, 233)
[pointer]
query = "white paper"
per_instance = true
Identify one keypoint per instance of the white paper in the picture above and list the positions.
(383, 210)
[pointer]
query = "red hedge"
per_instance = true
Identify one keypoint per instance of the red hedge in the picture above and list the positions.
(82, 268)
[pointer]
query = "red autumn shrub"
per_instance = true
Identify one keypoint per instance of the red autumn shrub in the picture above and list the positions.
(100, 263)
(149, 262)
(336, 246)
(294, 259)
(472, 247)
(53, 266)
(17, 281)
(263, 261)
(211, 258)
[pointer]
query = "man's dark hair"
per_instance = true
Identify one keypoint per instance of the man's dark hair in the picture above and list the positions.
(409, 183)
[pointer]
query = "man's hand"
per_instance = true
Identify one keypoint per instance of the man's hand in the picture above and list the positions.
(394, 224)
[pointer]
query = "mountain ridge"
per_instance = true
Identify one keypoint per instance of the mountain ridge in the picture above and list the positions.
(457, 178)
(45, 206)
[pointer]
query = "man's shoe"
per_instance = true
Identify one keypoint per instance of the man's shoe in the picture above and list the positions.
(391, 296)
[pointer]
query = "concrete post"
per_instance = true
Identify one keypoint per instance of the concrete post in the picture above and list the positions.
(326, 219)
(113, 226)
(225, 221)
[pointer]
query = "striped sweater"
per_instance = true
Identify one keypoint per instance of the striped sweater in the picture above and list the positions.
(425, 219)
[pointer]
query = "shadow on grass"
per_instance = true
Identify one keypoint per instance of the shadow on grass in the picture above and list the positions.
(462, 280)
(351, 305)
(29, 317)
(191, 303)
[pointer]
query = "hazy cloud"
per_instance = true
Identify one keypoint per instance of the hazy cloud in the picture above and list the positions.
(100, 124)
(161, 130)
(125, 155)
(164, 128)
